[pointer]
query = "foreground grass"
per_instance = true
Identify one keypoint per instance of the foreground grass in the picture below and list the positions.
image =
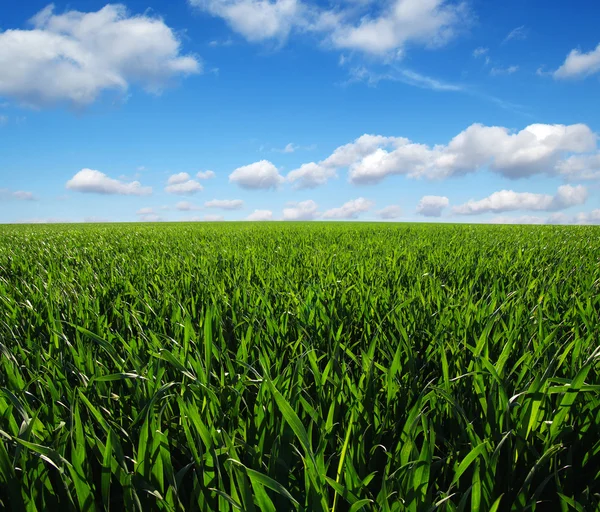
(299, 367)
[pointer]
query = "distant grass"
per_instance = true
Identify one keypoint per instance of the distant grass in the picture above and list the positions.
(317, 367)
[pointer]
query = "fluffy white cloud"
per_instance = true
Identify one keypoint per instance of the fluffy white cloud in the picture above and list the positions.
(390, 212)
(578, 64)
(257, 215)
(432, 206)
(182, 184)
(310, 175)
(96, 182)
(256, 20)
(259, 175)
(537, 149)
(349, 210)
(580, 167)
(177, 179)
(186, 206)
(75, 56)
(508, 200)
(205, 175)
(225, 204)
(350, 153)
(304, 210)
(313, 174)
(426, 22)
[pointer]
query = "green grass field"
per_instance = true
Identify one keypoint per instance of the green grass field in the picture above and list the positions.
(315, 367)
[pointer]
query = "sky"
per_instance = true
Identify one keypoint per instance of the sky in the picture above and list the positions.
(390, 110)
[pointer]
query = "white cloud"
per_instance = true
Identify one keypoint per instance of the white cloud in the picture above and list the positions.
(289, 148)
(205, 175)
(516, 34)
(22, 195)
(580, 167)
(478, 52)
(177, 179)
(349, 153)
(510, 70)
(426, 22)
(75, 56)
(310, 175)
(578, 64)
(148, 215)
(426, 82)
(592, 217)
(432, 206)
(405, 76)
(225, 204)
(96, 182)
(508, 200)
(216, 42)
(260, 215)
(213, 218)
(182, 184)
(390, 212)
(186, 206)
(304, 210)
(523, 219)
(569, 151)
(256, 20)
(537, 149)
(19, 195)
(45, 220)
(559, 218)
(3, 120)
(259, 175)
(349, 210)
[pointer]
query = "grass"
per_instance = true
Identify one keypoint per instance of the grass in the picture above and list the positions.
(316, 367)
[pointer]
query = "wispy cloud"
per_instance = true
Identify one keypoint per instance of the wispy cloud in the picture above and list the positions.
(406, 76)
(479, 52)
(415, 79)
(516, 34)
(292, 148)
(510, 70)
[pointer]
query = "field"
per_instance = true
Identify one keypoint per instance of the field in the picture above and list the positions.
(315, 367)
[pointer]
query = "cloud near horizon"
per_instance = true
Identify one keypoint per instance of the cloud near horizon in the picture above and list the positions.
(90, 181)
(567, 151)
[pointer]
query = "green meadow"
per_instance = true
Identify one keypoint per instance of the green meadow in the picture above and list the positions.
(299, 367)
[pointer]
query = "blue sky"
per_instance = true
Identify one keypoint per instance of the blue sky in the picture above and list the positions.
(401, 110)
